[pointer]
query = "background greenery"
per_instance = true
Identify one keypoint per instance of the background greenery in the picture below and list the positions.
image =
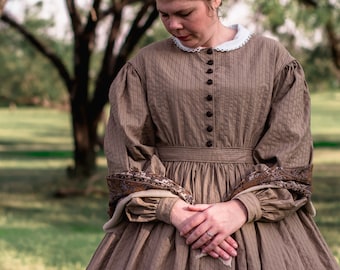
(41, 231)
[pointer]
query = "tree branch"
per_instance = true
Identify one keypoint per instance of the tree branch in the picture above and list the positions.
(54, 59)
(334, 42)
(74, 16)
(136, 30)
(92, 18)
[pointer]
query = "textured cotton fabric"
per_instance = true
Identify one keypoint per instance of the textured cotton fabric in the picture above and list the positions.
(206, 120)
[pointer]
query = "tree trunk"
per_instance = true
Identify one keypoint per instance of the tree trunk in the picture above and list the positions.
(84, 141)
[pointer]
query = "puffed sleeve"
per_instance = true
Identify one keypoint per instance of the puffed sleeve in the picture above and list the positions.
(130, 136)
(129, 141)
(281, 183)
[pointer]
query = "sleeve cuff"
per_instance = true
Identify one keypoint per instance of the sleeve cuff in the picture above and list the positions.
(164, 209)
(252, 204)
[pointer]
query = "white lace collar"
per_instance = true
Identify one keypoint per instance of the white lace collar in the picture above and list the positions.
(241, 38)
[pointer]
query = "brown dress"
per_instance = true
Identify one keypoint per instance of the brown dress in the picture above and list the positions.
(208, 119)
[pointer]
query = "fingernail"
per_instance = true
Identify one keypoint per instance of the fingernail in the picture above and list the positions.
(226, 257)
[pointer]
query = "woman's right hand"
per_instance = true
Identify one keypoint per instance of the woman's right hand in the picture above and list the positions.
(181, 214)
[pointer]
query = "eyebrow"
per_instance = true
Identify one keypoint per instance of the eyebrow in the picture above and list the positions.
(178, 12)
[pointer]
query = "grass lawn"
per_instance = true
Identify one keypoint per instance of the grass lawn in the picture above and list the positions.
(39, 231)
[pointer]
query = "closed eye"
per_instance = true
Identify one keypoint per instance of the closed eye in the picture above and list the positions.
(184, 14)
(164, 15)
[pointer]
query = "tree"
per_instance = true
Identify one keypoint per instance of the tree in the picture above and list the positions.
(308, 16)
(87, 104)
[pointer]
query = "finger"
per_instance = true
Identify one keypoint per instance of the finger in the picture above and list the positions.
(219, 241)
(211, 253)
(219, 253)
(193, 228)
(231, 241)
(198, 207)
(202, 240)
(214, 243)
(214, 254)
(227, 248)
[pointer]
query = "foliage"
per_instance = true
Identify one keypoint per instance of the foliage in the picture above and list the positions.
(313, 23)
(27, 77)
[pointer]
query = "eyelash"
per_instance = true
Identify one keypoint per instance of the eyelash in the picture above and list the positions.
(185, 14)
(180, 15)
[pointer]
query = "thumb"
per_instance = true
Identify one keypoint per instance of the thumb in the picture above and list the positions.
(198, 207)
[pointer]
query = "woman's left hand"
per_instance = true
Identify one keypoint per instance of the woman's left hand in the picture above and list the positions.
(212, 224)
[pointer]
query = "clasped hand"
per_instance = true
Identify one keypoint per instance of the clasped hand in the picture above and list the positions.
(209, 226)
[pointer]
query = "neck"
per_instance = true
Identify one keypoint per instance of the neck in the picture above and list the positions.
(223, 34)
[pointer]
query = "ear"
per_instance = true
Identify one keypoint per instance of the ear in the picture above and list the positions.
(216, 3)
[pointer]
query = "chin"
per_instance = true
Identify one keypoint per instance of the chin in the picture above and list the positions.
(190, 44)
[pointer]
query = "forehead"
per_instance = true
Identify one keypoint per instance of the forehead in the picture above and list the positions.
(175, 5)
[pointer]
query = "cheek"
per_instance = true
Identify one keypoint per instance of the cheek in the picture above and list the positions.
(165, 24)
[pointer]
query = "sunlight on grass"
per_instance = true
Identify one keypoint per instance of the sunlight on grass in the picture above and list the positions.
(326, 156)
(23, 131)
(43, 163)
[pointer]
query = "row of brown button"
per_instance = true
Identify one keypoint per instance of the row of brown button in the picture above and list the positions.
(209, 128)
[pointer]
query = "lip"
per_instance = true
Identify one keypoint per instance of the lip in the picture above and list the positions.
(183, 38)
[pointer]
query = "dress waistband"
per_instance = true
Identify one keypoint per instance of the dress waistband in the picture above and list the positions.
(220, 155)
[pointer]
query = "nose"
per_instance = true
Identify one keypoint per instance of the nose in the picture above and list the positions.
(174, 23)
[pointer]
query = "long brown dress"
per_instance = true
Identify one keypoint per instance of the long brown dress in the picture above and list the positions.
(208, 119)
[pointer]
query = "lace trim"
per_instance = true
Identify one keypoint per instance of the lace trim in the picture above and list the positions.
(122, 184)
(242, 37)
(296, 179)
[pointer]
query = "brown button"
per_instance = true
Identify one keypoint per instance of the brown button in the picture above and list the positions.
(209, 144)
(209, 114)
(210, 82)
(210, 128)
(210, 62)
(209, 97)
(209, 71)
(209, 51)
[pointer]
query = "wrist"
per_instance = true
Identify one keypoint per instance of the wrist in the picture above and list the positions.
(241, 210)
(176, 209)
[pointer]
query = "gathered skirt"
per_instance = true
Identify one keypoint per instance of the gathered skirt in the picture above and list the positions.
(293, 243)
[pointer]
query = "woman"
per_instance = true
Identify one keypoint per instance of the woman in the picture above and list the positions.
(209, 153)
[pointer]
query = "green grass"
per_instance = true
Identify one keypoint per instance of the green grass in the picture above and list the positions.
(326, 119)
(39, 231)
